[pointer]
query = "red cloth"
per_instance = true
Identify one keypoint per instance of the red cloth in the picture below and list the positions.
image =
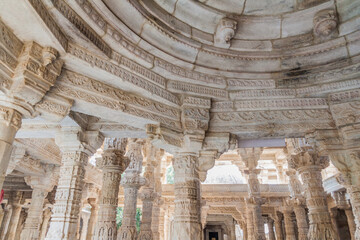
(2, 195)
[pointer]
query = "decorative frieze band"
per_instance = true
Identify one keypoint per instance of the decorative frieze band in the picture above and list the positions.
(303, 103)
(49, 21)
(77, 86)
(122, 73)
(182, 87)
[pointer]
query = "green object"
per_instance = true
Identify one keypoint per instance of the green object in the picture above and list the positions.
(119, 217)
(170, 175)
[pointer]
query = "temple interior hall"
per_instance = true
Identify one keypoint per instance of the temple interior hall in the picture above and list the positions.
(180, 119)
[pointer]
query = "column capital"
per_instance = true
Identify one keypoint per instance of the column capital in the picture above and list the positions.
(45, 182)
(133, 180)
(250, 156)
(147, 194)
(340, 200)
(36, 71)
(308, 158)
(71, 139)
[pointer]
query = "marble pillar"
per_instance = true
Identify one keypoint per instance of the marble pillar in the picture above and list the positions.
(131, 182)
(333, 214)
(76, 147)
(351, 222)
(93, 217)
(2, 214)
(21, 223)
(301, 220)
(41, 186)
(113, 163)
(309, 164)
(5, 222)
(85, 224)
(147, 197)
(187, 220)
(278, 228)
(10, 122)
(289, 224)
(270, 223)
(15, 200)
(249, 222)
(45, 223)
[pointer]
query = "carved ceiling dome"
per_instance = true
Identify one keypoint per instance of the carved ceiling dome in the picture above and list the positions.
(262, 69)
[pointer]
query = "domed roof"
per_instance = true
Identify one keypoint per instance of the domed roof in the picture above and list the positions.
(224, 174)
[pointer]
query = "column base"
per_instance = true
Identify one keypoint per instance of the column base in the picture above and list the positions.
(127, 233)
(322, 231)
(186, 230)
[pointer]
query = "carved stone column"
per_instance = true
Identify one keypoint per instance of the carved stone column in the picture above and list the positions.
(159, 172)
(251, 156)
(76, 147)
(85, 220)
(41, 187)
(270, 223)
(289, 224)
(2, 213)
(15, 200)
(6, 220)
(249, 221)
(298, 203)
(187, 222)
(148, 194)
(131, 182)
(93, 217)
(113, 163)
(309, 164)
(333, 214)
(278, 227)
(351, 222)
(45, 223)
(302, 224)
(10, 122)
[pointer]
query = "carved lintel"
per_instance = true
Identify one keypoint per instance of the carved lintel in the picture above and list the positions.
(54, 107)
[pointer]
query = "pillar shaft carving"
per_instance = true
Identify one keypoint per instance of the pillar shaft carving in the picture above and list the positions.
(45, 223)
(93, 218)
(148, 194)
(15, 201)
(278, 228)
(76, 147)
(131, 182)
(41, 187)
(270, 224)
(310, 164)
(289, 224)
(302, 224)
(6, 220)
(351, 222)
(10, 122)
(113, 163)
(187, 220)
